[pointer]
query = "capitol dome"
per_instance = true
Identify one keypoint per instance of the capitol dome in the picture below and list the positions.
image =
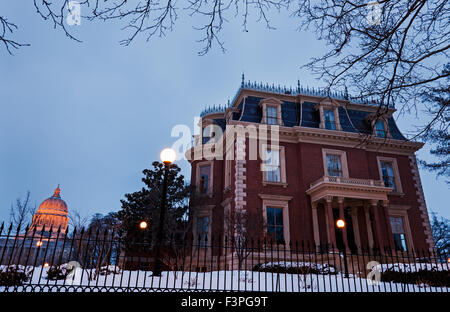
(52, 212)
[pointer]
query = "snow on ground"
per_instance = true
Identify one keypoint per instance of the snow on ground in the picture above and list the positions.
(216, 280)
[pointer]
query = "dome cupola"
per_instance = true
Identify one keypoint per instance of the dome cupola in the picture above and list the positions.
(52, 212)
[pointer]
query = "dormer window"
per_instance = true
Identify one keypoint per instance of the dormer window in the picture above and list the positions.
(378, 125)
(329, 115)
(380, 130)
(271, 113)
(330, 122)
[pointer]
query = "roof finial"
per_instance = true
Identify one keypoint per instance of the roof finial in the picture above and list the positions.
(57, 192)
(243, 78)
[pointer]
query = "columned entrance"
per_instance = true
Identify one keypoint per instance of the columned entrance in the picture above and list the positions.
(361, 203)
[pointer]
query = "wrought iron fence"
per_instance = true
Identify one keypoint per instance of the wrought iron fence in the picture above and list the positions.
(101, 260)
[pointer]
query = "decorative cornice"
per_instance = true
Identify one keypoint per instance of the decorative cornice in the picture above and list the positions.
(275, 197)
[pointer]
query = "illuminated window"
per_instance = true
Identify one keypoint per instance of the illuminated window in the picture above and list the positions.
(398, 232)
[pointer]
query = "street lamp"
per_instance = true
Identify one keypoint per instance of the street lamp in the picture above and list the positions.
(340, 223)
(167, 156)
(143, 225)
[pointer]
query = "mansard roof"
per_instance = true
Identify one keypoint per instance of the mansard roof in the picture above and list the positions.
(353, 114)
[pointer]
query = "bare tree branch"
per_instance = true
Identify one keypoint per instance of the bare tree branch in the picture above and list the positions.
(22, 213)
(7, 28)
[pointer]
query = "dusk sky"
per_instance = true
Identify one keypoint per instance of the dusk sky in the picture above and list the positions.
(91, 116)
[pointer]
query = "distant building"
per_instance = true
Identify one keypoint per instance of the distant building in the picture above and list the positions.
(38, 245)
(52, 213)
(333, 157)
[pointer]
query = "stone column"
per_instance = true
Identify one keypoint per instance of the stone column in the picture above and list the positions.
(342, 216)
(376, 214)
(331, 234)
(354, 214)
(369, 226)
(315, 220)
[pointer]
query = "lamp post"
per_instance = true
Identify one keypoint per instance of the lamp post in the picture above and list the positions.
(167, 156)
(341, 226)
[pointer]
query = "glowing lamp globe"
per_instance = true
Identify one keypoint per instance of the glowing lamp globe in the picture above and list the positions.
(39, 244)
(168, 156)
(143, 225)
(340, 223)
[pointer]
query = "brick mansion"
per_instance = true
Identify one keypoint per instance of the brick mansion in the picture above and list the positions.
(325, 157)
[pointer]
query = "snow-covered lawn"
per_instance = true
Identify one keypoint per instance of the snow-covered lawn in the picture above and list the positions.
(219, 280)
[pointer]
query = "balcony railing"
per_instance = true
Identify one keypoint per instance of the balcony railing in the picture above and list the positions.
(352, 181)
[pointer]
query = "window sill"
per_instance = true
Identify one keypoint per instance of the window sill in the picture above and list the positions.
(283, 184)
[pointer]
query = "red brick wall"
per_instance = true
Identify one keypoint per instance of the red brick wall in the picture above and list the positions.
(304, 165)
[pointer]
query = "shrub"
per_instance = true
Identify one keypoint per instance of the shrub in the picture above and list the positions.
(427, 277)
(295, 268)
(109, 269)
(57, 272)
(13, 275)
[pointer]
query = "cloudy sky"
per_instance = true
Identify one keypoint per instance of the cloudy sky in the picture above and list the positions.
(92, 115)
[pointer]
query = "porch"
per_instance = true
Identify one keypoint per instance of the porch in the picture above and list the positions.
(362, 203)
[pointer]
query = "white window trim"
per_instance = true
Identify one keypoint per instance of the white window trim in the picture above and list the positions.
(398, 182)
(277, 201)
(273, 103)
(200, 212)
(402, 211)
(330, 106)
(211, 175)
(385, 125)
(282, 158)
(341, 154)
